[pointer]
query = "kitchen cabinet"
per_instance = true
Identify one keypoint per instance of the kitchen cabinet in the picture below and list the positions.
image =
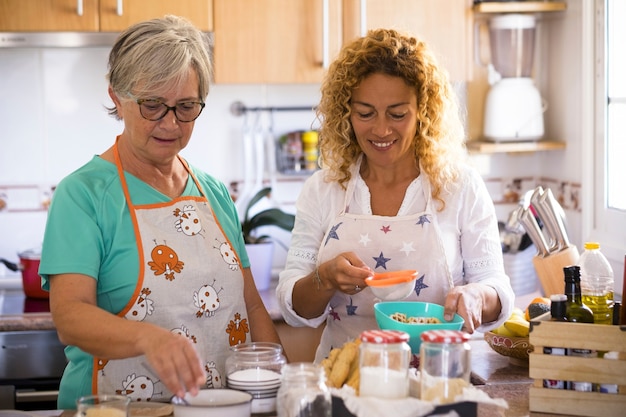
(132, 11)
(446, 25)
(274, 41)
(49, 15)
(292, 41)
(96, 15)
(300, 343)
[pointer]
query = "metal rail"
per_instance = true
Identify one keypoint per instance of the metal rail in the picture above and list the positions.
(238, 108)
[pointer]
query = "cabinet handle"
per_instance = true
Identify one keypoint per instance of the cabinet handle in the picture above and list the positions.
(325, 35)
(79, 7)
(363, 17)
(120, 7)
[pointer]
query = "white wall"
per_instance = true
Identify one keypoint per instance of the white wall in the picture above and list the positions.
(53, 121)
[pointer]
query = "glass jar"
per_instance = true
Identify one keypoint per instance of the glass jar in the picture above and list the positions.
(303, 392)
(256, 368)
(444, 365)
(384, 357)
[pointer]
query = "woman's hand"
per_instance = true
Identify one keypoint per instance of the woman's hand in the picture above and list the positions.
(476, 303)
(175, 361)
(346, 273)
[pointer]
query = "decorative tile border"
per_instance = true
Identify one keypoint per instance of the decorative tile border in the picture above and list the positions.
(510, 190)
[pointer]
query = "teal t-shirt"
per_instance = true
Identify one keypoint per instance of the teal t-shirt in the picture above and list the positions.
(90, 231)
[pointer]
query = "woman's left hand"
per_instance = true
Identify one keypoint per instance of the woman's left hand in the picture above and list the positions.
(466, 301)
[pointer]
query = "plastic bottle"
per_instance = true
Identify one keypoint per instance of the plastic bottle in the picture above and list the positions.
(596, 283)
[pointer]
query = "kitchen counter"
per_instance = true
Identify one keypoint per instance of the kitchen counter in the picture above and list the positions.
(492, 372)
(18, 313)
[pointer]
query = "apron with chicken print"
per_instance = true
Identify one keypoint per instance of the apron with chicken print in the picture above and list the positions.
(190, 282)
(385, 244)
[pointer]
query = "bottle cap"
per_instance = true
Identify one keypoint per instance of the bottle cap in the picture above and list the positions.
(592, 245)
(558, 306)
(572, 273)
(384, 336)
(445, 336)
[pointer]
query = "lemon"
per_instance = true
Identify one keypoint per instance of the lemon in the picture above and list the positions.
(519, 327)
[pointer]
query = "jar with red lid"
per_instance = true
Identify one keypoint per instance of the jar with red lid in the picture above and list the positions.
(445, 365)
(384, 357)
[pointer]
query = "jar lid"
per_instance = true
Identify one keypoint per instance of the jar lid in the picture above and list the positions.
(384, 336)
(445, 336)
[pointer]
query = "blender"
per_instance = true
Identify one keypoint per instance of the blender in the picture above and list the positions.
(513, 107)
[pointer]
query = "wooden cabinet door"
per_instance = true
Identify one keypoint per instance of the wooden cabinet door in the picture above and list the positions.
(114, 19)
(48, 15)
(446, 25)
(273, 41)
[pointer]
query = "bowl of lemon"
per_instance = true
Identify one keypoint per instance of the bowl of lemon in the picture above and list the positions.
(511, 338)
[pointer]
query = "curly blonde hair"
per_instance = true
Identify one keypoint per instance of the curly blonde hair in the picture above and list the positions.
(439, 140)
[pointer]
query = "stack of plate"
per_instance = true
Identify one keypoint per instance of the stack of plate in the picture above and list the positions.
(519, 267)
(262, 384)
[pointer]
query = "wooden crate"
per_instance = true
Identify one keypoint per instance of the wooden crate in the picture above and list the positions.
(598, 337)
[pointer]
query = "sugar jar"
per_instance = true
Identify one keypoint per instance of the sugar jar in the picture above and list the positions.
(384, 357)
(444, 365)
(256, 368)
(303, 391)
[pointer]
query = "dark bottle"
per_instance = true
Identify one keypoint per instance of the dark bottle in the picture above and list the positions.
(575, 310)
(558, 307)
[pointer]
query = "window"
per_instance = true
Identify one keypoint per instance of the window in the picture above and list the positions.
(609, 217)
(616, 106)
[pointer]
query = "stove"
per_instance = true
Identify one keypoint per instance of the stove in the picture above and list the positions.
(32, 359)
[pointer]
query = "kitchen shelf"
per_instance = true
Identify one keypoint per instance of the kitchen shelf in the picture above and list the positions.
(482, 146)
(520, 7)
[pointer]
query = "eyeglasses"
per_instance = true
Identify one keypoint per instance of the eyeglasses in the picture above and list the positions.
(154, 110)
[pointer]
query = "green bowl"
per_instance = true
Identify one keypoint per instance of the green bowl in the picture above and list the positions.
(385, 309)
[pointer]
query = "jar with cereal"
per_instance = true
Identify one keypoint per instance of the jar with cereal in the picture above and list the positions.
(445, 365)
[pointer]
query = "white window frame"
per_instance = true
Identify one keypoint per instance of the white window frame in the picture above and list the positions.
(600, 223)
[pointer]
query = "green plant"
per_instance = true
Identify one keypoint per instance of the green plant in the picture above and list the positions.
(269, 217)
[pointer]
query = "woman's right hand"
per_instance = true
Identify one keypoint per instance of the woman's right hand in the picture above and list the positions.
(176, 362)
(346, 273)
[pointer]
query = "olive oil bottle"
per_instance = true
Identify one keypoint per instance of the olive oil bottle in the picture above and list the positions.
(575, 310)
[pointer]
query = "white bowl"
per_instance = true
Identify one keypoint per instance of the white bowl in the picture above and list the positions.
(392, 286)
(215, 403)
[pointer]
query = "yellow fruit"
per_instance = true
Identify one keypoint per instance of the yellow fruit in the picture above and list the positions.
(503, 331)
(517, 312)
(518, 327)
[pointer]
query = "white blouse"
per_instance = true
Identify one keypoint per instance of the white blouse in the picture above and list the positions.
(468, 224)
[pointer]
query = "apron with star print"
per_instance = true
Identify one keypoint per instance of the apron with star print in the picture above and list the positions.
(190, 282)
(385, 244)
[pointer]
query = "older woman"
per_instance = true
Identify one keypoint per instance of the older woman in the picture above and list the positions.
(394, 193)
(143, 254)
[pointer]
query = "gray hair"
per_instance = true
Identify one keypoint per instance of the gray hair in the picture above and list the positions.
(152, 54)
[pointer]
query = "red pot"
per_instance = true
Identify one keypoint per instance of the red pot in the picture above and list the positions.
(29, 265)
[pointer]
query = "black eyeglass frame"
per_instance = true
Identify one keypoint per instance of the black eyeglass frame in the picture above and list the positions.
(140, 101)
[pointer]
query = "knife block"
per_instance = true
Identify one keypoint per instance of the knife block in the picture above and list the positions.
(550, 269)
